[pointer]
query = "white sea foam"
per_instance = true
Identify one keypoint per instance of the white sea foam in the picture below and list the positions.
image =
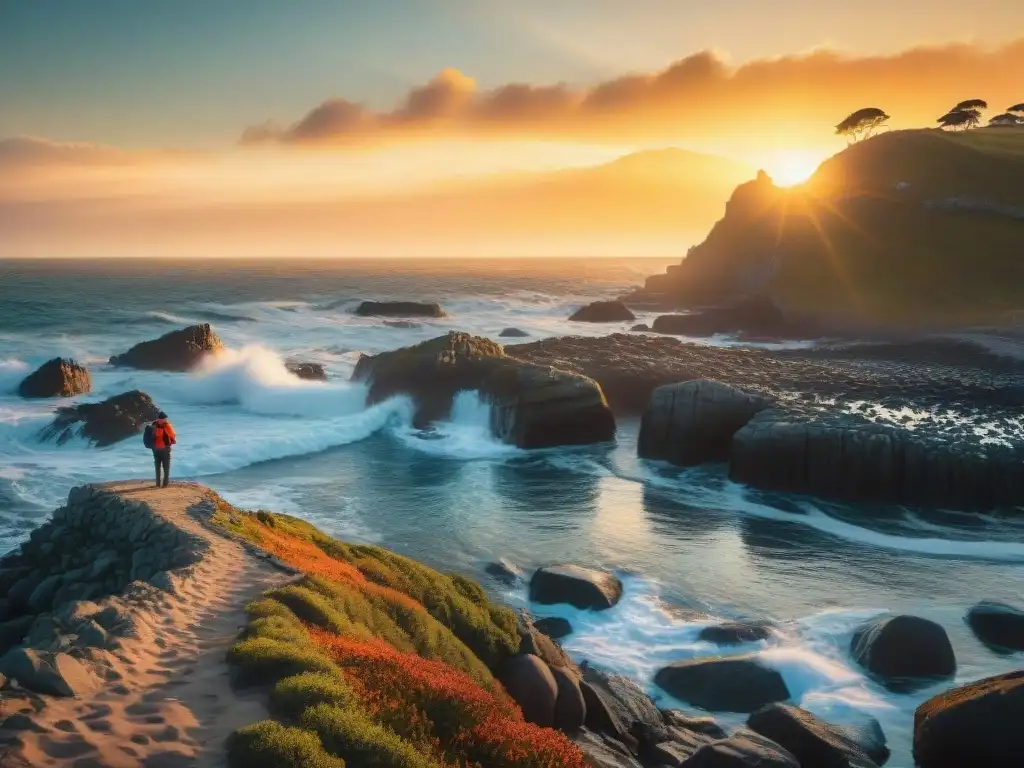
(12, 371)
(466, 435)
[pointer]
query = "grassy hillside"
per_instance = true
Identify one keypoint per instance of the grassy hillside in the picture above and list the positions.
(373, 659)
(872, 237)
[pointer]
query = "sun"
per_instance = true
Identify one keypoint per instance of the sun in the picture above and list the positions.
(789, 168)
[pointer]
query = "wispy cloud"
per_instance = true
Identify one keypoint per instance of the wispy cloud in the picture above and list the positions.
(697, 96)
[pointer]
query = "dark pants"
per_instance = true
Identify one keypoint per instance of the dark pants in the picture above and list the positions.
(162, 460)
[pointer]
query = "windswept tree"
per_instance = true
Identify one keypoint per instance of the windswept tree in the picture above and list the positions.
(1006, 119)
(960, 119)
(1017, 108)
(862, 123)
(966, 106)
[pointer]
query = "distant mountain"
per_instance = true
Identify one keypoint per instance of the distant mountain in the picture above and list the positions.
(909, 227)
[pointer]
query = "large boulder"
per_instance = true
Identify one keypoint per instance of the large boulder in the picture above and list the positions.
(56, 378)
(998, 625)
(570, 707)
(604, 312)
(179, 350)
(975, 725)
(904, 650)
(580, 587)
(56, 674)
(631, 707)
(103, 423)
(695, 421)
(531, 406)
(554, 627)
(744, 749)
(307, 371)
(810, 740)
(530, 683)
(756, 315)
(513, 333)
(399, 309)
(723, 684)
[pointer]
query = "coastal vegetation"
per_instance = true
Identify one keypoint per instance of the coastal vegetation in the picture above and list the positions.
(375, 659)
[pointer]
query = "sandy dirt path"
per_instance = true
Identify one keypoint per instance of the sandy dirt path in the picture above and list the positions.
(173, 704)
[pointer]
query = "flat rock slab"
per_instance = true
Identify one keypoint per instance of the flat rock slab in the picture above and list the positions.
(580, 587)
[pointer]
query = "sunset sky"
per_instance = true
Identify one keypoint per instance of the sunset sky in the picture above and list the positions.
(114, 108)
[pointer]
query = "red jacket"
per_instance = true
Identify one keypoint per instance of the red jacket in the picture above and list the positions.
(163, 435)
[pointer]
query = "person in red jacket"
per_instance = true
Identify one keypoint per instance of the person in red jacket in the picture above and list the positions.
(163, 439)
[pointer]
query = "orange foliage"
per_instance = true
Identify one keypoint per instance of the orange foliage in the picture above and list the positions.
(444, 711)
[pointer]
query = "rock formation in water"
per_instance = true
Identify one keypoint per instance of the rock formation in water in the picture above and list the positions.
(513, 333)
(974, 725)
(307, 371)
(694, 422)
(755, 316)
(998, 625)
(604, 312)
(399, 309)
(103, 423)
(180, 350)
(723, 684)
(580, 587)
(531, 406)
(56, 378)
(810, 740)
(904, 651)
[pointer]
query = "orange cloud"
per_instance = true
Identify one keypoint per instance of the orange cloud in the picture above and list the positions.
(23, 151)
(700, 96)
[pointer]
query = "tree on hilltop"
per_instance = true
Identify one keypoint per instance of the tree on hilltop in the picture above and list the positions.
(861, 124)
(1006, 119)
(1017, 108)
(960, 119)
(966, 106)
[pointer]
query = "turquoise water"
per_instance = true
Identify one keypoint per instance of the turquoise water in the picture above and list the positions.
(690, 545)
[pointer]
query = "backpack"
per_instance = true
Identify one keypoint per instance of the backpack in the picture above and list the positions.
(149, 436)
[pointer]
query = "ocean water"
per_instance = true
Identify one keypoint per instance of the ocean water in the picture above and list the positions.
(692, 547)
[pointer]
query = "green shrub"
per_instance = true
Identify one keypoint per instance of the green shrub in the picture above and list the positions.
(261, 660)
(311, 608)
(280, 629)
(350, 734)
(294, 695)
(265, 608)
(271, 745)
(363, 610)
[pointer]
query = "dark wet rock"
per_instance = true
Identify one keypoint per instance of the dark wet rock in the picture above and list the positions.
(13, 632)
(570, 708)
(998, 625)
(723, 684)
(604, 752)
(56, 674)
(103, 423)
(56, 378)
(530, 683)
(406, 324)
(974, 725)
(601, 715)
(505, 572)
(307, 371)
(744, 749)
(810, 740)
(581, 587)
(695, 421)
(756, 315)
(554, 627)
(179, 350)
(513, 333)
(904, 650)
(603, 312)
(531, 406)
(399, 309)
(735, 633)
